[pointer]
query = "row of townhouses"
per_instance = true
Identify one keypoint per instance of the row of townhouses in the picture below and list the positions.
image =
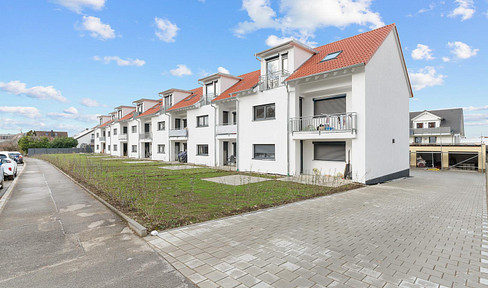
(339, 109)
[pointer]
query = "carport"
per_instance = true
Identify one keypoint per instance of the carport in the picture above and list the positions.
(463, 160)
(432, 159)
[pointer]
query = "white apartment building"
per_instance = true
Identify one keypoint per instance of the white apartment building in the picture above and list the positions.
(338, 109)
(444, 126)
(85, 138)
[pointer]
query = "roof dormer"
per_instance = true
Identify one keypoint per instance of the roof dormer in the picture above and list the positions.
(216, 83)
(102, 119)
(173, 96)
(122, 111)
(143, 104)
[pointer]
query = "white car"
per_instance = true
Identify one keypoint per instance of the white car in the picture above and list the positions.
(1, 178)
(9, 166)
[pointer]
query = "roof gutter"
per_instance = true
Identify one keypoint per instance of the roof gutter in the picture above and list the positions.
(326, 72)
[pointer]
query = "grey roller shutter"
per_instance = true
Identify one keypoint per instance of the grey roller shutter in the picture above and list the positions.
(329, 151)
(329, 106)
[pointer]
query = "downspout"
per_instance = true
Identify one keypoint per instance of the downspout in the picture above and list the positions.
(169, 128)
(287, 131)
(237, 136)
(214, 133)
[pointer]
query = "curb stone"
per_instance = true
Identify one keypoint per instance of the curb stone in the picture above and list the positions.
(140, 230)
(6, 196)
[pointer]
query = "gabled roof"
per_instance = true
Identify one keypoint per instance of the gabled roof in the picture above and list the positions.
(128, 116)
(189, 100)
(248, 81)
(356, 50)
(153, 110)
(106, 123)
(218, 75)
(425, 112)
(453, 118)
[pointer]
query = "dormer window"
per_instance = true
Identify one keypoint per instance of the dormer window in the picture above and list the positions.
(284, 62)
(211, 89)
(420, 125)
(168, 101)
(101, 121)
(331, 56)
(119, 114)
(272, 65)
(139, 108)
(431, 124)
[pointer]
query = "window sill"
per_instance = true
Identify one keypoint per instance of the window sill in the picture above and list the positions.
(266, 119)
(341, 161)
(202, 126)
(202, 155)
(264, 159)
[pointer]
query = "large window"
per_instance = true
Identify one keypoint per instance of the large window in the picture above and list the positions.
(161, 148)
(211, 90)
(161, 126)
(331, 105)
(432, 139)
(329, 151)
(418, 140)
(134, 148)
(264, 151)
(168, 101)
(264, 112)
(134, 129)
(115, 131)
(202, 121)
(139, 108)
(202, 150)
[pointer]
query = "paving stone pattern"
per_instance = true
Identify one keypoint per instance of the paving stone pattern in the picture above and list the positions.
(429, 230)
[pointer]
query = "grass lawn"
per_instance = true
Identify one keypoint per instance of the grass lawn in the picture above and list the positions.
(162, 199)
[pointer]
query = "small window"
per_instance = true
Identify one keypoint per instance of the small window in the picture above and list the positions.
(331, 56)
(134, 129)
(108, 147)
(115, 147)
(134, 148)
(202, 150)
(161, 148)
(420, 125)
(161, 125)
(431, 124)
(264, 112)
(432, 139)
(139, 108)
(115, 131)
(168, 101)
(418, 140)
(264, 151)
(234, 118)
(329, 151)
(108, 134)
(98, 147)
(202, 121)
(98, 135)
(124, 130)
(103, 133)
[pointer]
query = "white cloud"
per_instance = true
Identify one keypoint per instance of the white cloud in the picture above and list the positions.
(300, 18)
(17, 125)
(182, 70)
(90, 102)
(424, 10)
(78, 5)
(426, 77)
(30, 112)
(166, 31)
(223, 70)
(96, 28)
(39, 92)
(71, 110)
(476, 117)
(462, 50)
(72, 113)
(465, 9)
(476, 108)
(422, 52)
(120, 61)
(274, 40)
(446, 59)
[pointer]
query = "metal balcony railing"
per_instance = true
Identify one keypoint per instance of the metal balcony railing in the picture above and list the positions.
(101, 139)
(123, 137)
(226, 129)
(273, 79)
(426, 131)
(178, 133)
(333, 123)
(145, 136)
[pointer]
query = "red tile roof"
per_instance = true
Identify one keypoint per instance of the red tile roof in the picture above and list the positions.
(152, 110)
(248, 81)
(189, 100)
(106, 123)
(357, 49)
(128, 116)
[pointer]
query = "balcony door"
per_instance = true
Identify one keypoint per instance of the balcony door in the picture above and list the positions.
(225, 118)
(147, 128)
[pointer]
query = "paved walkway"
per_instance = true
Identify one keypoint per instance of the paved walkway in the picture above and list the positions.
(425, 231)
(54, 234)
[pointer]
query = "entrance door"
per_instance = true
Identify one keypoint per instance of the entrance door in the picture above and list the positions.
(177, 150)
(226, 152)
(147, 150)
(124, 149)
(184, 147)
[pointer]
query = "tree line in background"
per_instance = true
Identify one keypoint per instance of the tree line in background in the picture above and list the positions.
(30, 140)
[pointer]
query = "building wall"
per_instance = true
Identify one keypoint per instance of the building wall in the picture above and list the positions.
(133, 138)
(85, 139)
(201, 135)
(160, 137)
(387, 112)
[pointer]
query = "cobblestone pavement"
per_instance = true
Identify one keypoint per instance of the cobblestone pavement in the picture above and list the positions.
(424, 231)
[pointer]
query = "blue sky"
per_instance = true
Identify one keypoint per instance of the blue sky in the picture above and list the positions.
(62, 62)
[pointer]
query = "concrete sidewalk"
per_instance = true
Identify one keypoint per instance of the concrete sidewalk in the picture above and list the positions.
(54, 234)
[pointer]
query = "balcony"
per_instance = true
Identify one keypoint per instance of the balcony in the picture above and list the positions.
(332, 126)
(430, 131)
(224, 129)
(123, 137)
(178, 132)
(273, 80)
(145, 136)
(101, 139)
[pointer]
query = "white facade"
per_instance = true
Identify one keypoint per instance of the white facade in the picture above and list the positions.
(85, 138)
(427, 129)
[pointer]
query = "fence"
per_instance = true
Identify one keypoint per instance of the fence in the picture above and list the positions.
(40, 151)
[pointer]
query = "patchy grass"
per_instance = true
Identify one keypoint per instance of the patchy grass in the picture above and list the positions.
(162, 199)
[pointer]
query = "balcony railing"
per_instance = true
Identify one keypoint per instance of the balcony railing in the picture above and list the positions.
(325, 124)
(101, 139)
(145, 136)
(424, 131)
(178, 133)
(226, 129)
(123, 137)
(273, 79)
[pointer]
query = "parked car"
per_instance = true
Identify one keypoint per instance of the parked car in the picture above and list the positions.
(1, 178)
(9, 166)
(17, 156)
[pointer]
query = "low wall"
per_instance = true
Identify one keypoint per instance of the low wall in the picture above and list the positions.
(40, 151)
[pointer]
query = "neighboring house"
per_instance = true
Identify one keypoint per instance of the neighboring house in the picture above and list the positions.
(119, 130)
(86, 138)
(337, 109)
(101, 133)
(445, 126)
(51, 134)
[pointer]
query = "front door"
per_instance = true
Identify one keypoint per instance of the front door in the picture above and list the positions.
(124, 149)
(226, 152)
(177, 150)
(147, 150)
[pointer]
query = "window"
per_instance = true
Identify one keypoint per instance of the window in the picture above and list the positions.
(119, 114)
(211, 89)
(330, 105)
(134, 148)
(431, 124)
(329, 151)
(202, 121)
(272, 65)
(284, 62)
(177, 123)
(92, 136)
(161, 148)
(432, 139)
(98, 135)
(225, 117)
(420, 125)
(124, 130)
(202, 150)
(103, 133)
(264, 112)
(234, 117)
(264, 151)
(134, 129)
(108, 147)
(161, 126)
(115, 147)
(115, 131)
(98, 147)
(108, 134)
(168, 101)
(331, 56)
(418, 140)
(139, 108)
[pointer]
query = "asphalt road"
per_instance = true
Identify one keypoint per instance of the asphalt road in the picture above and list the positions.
(54, 234)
